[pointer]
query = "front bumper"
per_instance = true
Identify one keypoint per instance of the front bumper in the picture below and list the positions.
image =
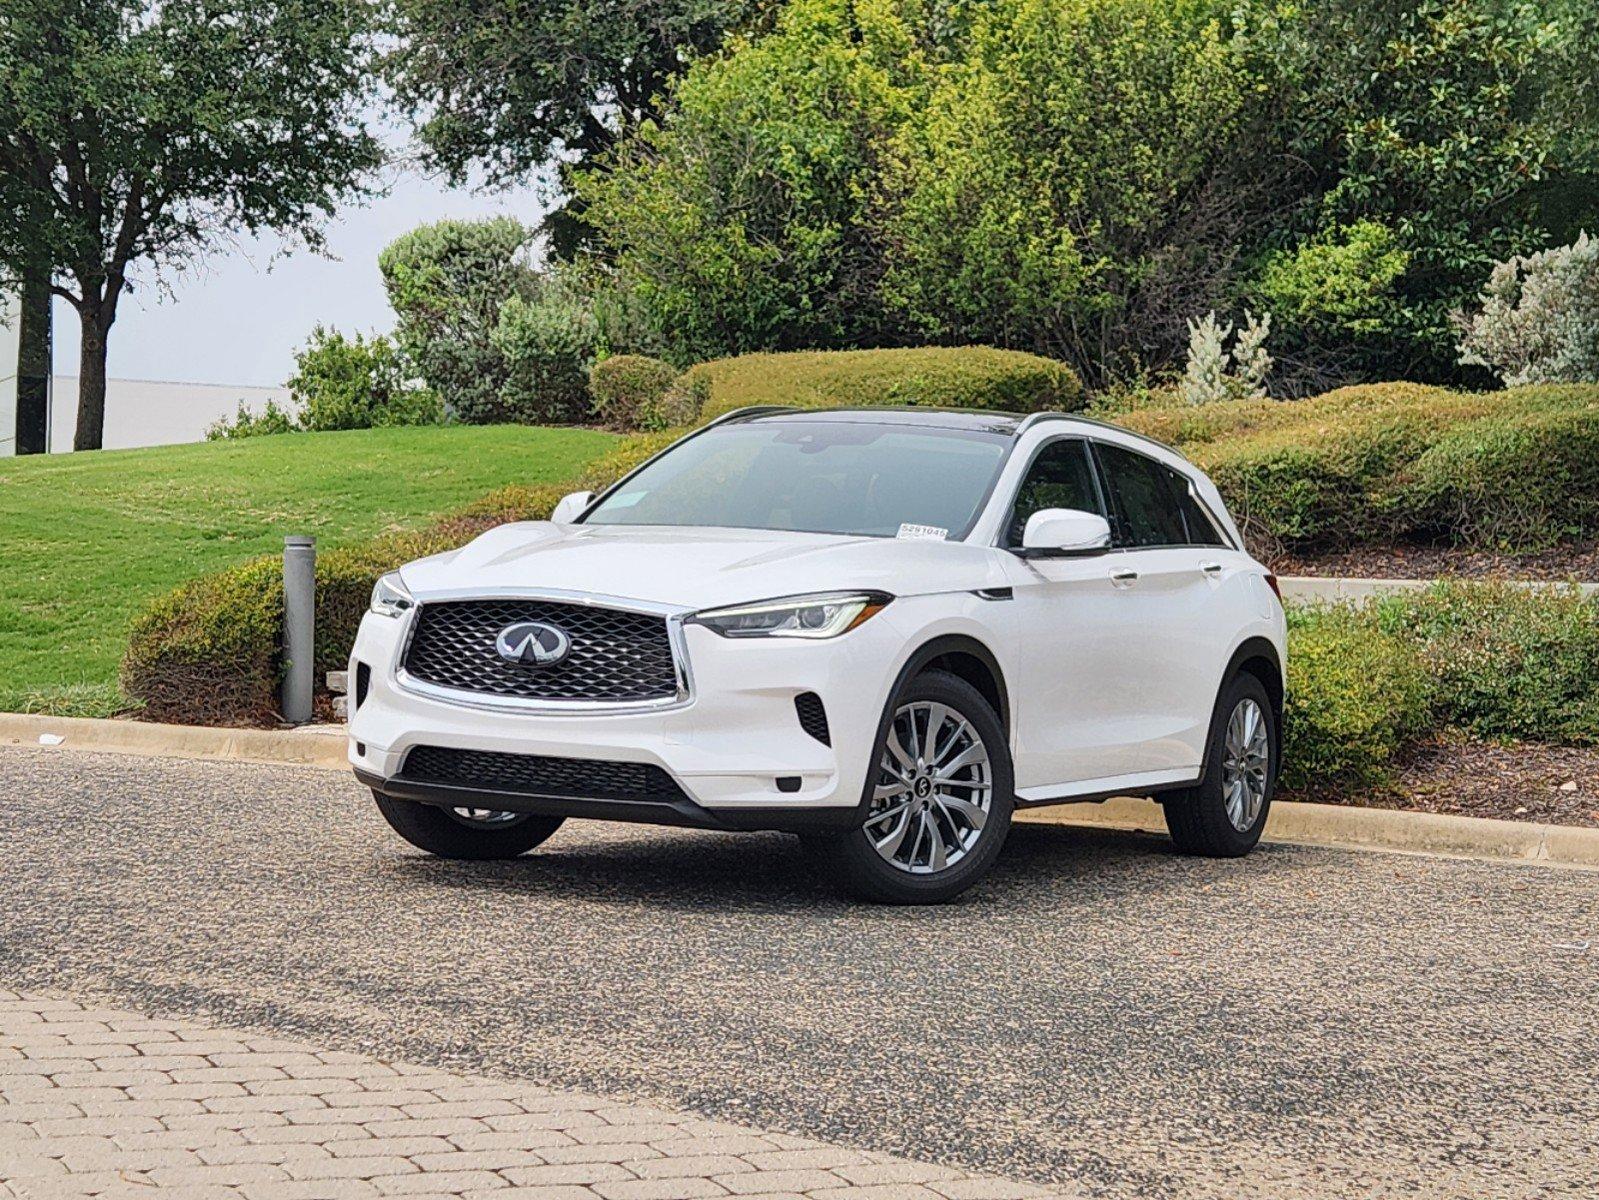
(726, 746)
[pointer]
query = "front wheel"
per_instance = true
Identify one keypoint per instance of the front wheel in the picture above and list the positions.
(471, 833)
(937, 803)
(1223, 816)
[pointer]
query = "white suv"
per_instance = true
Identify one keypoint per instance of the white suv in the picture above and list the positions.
(883, 629)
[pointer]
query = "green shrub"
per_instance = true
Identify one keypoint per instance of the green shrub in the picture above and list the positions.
(243, 424)
(678, 406)
(355, 383)
(936, 377)
(1504, 661)
(1355, 696)
(547, 344)
(1513, 470)
(628, 386)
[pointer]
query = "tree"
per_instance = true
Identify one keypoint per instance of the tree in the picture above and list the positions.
(137, 136)
(511, 87)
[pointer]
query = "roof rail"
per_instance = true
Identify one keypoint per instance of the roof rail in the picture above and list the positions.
(1036, 418)
(750, 410)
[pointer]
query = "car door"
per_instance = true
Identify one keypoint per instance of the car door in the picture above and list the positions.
(1168, 563)
(1067, 628)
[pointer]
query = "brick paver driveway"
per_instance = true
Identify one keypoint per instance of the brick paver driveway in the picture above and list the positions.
(1103, 1017)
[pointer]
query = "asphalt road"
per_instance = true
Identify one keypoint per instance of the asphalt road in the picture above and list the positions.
(1304, 1023)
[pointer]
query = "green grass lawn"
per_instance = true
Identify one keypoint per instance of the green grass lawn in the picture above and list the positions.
(87, 539)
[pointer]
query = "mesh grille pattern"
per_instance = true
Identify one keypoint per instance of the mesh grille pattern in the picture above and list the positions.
(813, 717)
(615, 655)
(537, 775)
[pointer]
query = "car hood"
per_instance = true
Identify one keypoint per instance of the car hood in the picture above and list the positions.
(695, 568)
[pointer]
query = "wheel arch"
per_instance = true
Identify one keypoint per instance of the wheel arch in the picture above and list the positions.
(1257, 656)
(966, 658)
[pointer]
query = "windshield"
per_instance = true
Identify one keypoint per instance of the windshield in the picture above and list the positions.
(844, 477)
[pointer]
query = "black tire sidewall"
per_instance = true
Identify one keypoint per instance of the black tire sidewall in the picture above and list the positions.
(855, 862)
(430, 828)
(1208, 829)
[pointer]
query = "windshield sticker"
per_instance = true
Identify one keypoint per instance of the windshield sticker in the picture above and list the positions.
(625, 500)
(922, 533)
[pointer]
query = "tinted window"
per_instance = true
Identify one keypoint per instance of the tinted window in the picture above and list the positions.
(823, 476)
(1060, 477)
(1144, 510)
(1201, 530)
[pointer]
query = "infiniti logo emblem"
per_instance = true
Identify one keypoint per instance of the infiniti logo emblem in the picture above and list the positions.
(533, 644)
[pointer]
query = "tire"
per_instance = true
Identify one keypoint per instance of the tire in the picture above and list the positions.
(968, 813)
(443, 834)
(1199, 818)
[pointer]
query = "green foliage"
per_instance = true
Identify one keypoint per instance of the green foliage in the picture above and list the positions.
(447, 283)
(1356, 695)
(355, 383)
(1340, 284)
(1514, 470)
(629, 387)
(508, 89)
(245, 423)
(135, 136)
(1503, 661)
(547, 345)
(960, 377)
(1065, 188)
(740, 219)
(1459, 126)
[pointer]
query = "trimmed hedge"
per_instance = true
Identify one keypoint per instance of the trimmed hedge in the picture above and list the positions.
(1492, 660)
(1514, 470)
(933, 376)
(628, 388)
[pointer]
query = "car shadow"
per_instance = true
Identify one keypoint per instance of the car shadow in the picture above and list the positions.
(691, 870)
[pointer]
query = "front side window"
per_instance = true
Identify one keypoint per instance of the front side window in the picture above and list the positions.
(1144, 509)
(1062, 476)
(859, 478)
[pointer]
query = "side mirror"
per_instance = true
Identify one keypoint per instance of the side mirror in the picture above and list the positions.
(571, 507)
(1065, 533)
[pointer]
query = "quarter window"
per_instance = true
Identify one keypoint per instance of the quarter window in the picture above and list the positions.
(1202, 530)
(1144, 509)
(1060, 477)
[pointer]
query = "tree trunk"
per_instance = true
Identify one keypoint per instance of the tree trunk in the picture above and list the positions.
(91, 382)
(34, 365)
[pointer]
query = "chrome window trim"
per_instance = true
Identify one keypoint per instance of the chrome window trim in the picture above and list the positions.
(673, 615)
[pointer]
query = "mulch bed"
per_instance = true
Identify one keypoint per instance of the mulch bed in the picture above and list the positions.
(1573, 560)
(1520, 782)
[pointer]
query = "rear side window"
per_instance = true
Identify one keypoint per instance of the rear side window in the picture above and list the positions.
(1060, 477)
(1144, 507)
(1202, 530)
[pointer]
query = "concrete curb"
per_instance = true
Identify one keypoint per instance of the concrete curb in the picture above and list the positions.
(1304, 824)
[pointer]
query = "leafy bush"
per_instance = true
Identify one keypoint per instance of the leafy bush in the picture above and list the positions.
(244, 423)
(1539, 321)
(963, 377)
(1356, 695)
(446, 283)
(354, 383)
(627, 386)
(1516, 469)
(547, 344)
(1504, 661)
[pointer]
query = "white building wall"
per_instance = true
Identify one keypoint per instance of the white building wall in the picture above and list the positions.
(8, 372)
(146, 412)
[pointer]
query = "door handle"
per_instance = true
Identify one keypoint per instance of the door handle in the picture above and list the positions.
(1210, 568)
(1123, 579)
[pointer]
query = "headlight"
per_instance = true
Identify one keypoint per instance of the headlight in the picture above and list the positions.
(389, 597)
(821, 616)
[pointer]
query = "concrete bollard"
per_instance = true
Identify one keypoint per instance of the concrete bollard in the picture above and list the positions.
(299, 627)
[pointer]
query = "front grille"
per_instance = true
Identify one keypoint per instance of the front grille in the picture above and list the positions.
(538, 775)
(813, 717)
(615, 656)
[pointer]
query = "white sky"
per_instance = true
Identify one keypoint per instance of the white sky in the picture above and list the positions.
(239, 317)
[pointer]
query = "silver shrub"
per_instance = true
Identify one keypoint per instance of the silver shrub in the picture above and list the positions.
(1539, 320)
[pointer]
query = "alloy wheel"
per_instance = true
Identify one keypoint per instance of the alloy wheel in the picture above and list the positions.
(1246, 761)
(934, 785)
(486, 818)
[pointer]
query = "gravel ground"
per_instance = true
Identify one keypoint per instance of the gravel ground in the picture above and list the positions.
(1305, 1023)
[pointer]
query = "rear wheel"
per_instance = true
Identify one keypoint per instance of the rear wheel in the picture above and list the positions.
(471, 833)
(938, 801)
(1224, 815)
